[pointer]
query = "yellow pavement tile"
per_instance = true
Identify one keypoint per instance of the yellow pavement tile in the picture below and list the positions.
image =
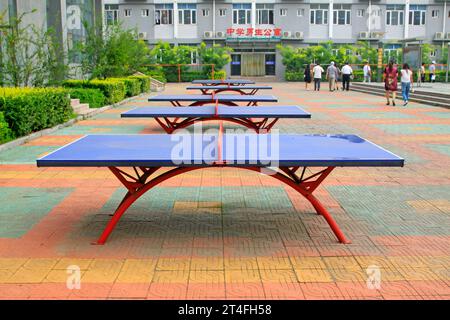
(64, 263)
(103, 271)
(308, 262)
(164, 277)
(5, 275)
(12, 264)
(278, 276)
(313, 275)
(242, 276)
(46, 264)
(341, 262)
(241, 263)
(407, 262)
(417, 274)
(206, 276)
(207, 263)
(173, 264)
(137, 271)
(58, 276)
(274, 263)
(26, 275)
(354, 275)
(381, 262)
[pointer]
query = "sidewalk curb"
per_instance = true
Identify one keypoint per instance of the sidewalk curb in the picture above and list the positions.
(71, 122)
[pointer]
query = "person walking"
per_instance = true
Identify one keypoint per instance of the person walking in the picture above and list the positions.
(347, 72)
(407, 81)
(317, 72)
(390, 75)
(331, 76)
(421, 75)
(432, 70)
(307, 75)
(338, 76)
(367, 72)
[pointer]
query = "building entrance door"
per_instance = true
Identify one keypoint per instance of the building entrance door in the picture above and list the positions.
(253, 64)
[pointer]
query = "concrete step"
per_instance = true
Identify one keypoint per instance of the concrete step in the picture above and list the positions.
(82, 108)
(74, 102)
(420, 97)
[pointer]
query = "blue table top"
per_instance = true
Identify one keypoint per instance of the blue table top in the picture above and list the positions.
(218, 87)
(236, 81)
(237, 150)
(208, 97)
(224, 112)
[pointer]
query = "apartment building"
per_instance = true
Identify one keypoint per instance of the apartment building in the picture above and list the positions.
(253, 28)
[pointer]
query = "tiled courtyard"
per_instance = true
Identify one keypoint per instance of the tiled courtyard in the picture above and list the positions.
(233, 234)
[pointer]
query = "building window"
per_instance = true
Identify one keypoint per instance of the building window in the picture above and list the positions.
(242, 13)
(319, 14)
(187, 13)
(127, 12)
(300, 12)
(417, 15)
(194, 57)
(283, 12)
(433, 53)
(164, 13)
(341, 14)
(394, 15)
(360, 13)
(111, 14)
(264, 13)
(205, 12)
(145, 12)
(222, 12)
(435, 13)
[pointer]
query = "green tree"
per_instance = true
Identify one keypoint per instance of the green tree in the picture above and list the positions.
(217, 55)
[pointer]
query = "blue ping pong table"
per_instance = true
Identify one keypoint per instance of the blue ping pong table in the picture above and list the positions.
(250, 90)
(140, 162)
(204, 99)
(229, 82)
(260, 119)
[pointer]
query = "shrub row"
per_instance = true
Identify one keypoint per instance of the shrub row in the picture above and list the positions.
(94, 97)
(5, 131)
(26, 110)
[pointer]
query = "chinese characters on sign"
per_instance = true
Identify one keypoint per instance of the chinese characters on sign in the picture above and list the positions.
(254, 33)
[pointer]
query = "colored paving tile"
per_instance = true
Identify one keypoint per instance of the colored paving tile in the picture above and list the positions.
(25, 154)
(441, 148)
(378, 115)
(22, 208)
(414, 128)
(231, 233)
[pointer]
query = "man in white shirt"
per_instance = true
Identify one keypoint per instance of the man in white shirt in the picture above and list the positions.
(432, 70)
(367, 72)
(317, 73)
(347, 72)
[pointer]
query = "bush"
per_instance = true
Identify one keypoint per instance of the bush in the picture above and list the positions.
(144, 81)
(157, 75)
(94, 97)
(5, 131)
(132, 86)
(27, 110)
(294, 76)
(219, 75)
(113, 90)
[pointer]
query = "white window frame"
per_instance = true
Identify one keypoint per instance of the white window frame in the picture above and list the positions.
(267, 9)
(300, 12)
(238, 9)
(145, 13)
(183, 13)
(313, 15)
(283, 12)
(205, 12)
(222, 12)
(339, 9)
(114, 11)
(360, 13)
(161, 9)
(422, 16)
(398, 12)
(127, 13)
(435, 13)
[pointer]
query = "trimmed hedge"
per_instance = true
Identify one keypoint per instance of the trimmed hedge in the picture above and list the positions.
(94, 97)
(31, 109)
(157, 75)
(294, 76)
(5, 131)
(113, 90)
(132, 86)
(144, 81)
(220, 75)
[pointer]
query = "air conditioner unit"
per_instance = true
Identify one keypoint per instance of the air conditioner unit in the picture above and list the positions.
(439, 36)
(142, 35)
(298, 35)
(220, 34)
(364, 35)
(208, 34)
(448, 35)
(287, 34)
